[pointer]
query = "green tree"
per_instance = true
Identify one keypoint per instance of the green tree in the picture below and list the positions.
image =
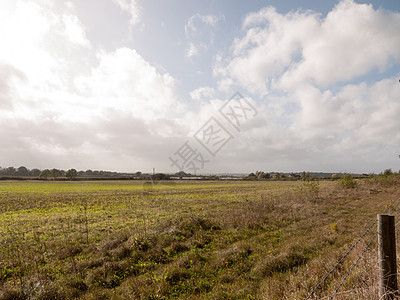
(71, 174)
(388, 172)
(251, 176)
(262, 175)
(160, 176)
(22, 171)
(55, 173)
(34, 172)
(276, 176)
(45, 174)
(10, 171)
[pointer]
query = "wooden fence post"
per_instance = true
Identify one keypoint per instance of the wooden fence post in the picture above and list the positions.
(387, 258)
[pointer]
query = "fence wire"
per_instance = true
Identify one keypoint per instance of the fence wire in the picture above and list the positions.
(393, 209)
(357, 280)
(354, 265)
(341, 260)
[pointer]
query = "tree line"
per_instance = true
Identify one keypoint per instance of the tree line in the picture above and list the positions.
(259, 175)
(58, 173)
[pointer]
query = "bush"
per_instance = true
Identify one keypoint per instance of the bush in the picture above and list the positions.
(309, 188)
(348, 182)
(386, 179)
(387, 172)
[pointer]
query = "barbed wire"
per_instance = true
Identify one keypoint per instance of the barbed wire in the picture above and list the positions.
(357, 280)
(354, 265)
(351, 249)
(341, 260)
(395, 208)
(391, 204)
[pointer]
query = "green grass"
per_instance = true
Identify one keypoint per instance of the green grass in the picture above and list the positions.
(195, 239)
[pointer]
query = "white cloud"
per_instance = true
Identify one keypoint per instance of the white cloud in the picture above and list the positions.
(199, 31)
(320, 112)
(354, 129)
(353, 40)
(40, 43)
(191, 50)
(51, 51)
(196, 22)
(124, 81)
(62, 101)
(289, 50)
(132, 8)
(203, 94)
(74, 31)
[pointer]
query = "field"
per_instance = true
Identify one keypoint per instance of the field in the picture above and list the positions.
(187, 240)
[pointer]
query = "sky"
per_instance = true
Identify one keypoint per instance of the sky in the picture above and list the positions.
(222, 86)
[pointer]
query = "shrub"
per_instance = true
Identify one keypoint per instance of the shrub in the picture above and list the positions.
(348, 182)
(309, 189)
(387, 172)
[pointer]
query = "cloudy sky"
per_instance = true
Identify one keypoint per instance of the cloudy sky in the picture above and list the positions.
(128, 85)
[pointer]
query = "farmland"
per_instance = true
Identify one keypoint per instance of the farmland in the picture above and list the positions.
(195, 239)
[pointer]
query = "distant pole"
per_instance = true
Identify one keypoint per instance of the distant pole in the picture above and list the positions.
(387, 258)
(152, 176)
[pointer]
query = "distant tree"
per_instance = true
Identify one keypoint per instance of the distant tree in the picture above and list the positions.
(55, 173)
(306, 175)
(275, 176)
(89, 173)
(262, 175)
(388, 172)
(34, 172)
(22, 171)
(251, 176)
(160, 176)
(71, 174)
(10, 171)
(182, 174)
(45, 174)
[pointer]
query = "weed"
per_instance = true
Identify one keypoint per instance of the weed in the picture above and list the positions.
(333, 227)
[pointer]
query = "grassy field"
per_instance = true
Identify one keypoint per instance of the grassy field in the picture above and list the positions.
(188, 240)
